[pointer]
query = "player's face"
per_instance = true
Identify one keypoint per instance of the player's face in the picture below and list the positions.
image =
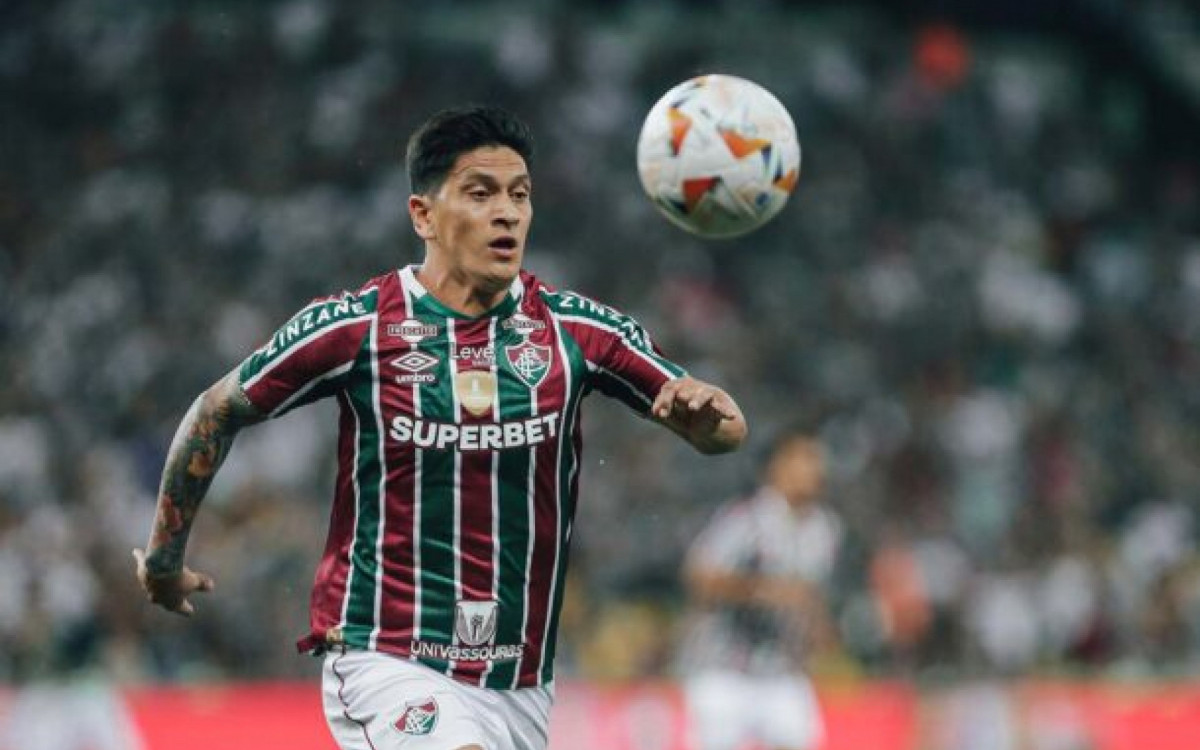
(477, 221)
(797, 471)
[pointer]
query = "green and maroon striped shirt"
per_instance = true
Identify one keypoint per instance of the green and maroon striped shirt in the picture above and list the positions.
(459, 453)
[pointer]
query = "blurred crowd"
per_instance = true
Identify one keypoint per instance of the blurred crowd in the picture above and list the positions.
(984, 298)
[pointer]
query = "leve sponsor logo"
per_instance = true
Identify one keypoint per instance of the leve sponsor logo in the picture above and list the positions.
(474, 356)
(474, 437)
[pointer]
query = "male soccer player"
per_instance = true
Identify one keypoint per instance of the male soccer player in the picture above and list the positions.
(755, 574)
(459, 381)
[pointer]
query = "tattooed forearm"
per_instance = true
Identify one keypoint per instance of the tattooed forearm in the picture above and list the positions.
(197, 451)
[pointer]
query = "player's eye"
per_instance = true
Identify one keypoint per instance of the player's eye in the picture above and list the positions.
(520, 195)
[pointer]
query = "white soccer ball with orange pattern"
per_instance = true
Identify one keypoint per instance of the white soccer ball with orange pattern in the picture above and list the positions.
(718, 155)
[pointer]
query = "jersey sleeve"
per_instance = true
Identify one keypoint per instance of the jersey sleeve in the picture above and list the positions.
(622, 361)
(310, 356)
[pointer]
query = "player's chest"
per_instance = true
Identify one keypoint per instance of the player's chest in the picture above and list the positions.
(455, 371)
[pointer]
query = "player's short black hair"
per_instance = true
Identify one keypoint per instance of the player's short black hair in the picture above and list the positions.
(437, 144)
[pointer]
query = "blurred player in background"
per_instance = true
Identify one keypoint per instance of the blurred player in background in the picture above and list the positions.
(459, 380)
(755, 576)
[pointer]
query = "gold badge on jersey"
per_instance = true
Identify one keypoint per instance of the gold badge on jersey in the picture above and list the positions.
(476, 390)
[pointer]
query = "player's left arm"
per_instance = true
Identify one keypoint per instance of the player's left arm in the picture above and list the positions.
(623, 362)
(701, 413)
(201, 443)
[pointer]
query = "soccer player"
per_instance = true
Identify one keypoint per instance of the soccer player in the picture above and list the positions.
(436, 601)
(755, 574)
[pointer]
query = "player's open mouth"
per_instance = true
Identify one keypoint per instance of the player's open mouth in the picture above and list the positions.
(504, 244)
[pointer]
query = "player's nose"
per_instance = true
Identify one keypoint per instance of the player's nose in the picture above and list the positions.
(507, 214)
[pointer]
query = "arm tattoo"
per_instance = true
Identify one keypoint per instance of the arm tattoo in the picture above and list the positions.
(200, 445)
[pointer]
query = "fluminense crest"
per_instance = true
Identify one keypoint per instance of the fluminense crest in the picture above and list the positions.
(418, 718)
(529, 361)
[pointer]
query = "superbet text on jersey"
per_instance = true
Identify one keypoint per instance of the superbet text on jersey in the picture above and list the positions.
(458, 468)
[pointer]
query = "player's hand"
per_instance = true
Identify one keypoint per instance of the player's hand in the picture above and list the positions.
(703, 414)
(170, 591)
(689, 399)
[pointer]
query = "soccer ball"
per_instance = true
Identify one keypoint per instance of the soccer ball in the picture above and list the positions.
(718, 155)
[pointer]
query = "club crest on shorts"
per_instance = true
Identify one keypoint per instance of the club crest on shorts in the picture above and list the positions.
(530, 361)
(475, 622)
(418, 718)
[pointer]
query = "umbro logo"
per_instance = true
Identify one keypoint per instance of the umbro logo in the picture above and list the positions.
(415, 361)
(415, 364)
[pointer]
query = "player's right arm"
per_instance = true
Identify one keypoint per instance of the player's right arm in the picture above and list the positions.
(310, 357)
(201, 443)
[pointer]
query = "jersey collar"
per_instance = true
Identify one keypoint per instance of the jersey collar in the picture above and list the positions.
(416, 291)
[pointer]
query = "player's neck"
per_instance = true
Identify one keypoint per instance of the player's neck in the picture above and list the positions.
(458, 291)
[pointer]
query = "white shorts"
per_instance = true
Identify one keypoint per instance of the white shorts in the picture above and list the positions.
(728, 709)
(375, 701)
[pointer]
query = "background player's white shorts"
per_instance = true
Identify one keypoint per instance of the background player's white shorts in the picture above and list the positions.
(375, 701)
(728, 709)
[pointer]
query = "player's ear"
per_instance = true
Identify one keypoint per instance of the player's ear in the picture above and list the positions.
(420, 210)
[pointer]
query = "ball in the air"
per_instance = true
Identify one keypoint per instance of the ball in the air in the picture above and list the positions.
(718, 155)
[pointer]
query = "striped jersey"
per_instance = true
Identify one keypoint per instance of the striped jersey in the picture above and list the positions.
(458, 463)
(758, 536)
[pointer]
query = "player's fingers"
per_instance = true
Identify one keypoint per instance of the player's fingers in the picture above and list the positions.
(723, 406)
(682, 391)
(666, 398)
(700, 398)
(185, 608)
(193, 581)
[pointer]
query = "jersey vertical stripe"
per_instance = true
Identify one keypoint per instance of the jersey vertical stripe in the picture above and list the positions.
(398, 618)
(474, 522)
(381, 461)
(339, 547)
(452, 336)
(548, 510)
(567, 473)
(515, 527)
(493, 491)
(360, 609)
(437, 478)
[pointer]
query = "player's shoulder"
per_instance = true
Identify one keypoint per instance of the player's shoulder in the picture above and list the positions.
(574, 305)
(387, 283)
(361, 299)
